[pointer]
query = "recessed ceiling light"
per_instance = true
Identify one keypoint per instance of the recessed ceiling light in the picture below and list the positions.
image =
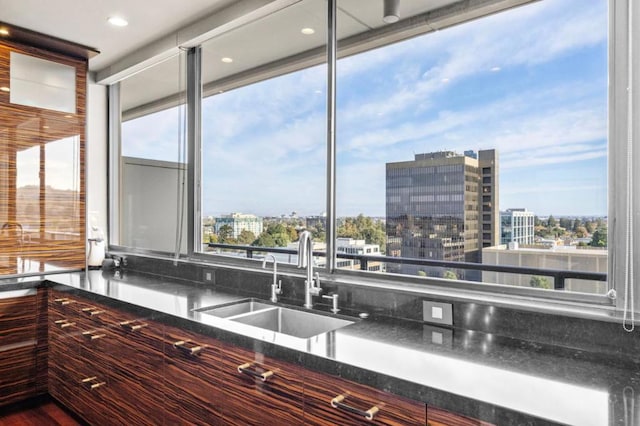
(495, 69)
(45, 127)
(118, 21)
(307, 31)
(5, 89)
(4, 31)
(445, 80)
(226, 60)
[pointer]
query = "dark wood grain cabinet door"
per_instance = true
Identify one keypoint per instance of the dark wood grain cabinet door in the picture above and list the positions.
(330, 400)
(439, 417)
(193, 386)
(259, 390)
(18, 346)
(106, 366)
(136, 366)
(65, 368)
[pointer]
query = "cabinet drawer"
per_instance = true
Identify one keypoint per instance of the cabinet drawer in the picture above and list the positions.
(330, 400)
(129, 350)
(17, 319)
(193, 387)
(17, 373)
(259, 390)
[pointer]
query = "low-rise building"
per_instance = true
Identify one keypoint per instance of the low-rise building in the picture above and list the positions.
(569, 258)
(240, 222)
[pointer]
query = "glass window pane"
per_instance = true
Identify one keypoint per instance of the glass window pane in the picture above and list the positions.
(40, 83)
(264, 131)
(152, 164)
(440, 132)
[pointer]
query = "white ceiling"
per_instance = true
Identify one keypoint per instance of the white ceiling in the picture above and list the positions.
(273, 38)
(85, 21)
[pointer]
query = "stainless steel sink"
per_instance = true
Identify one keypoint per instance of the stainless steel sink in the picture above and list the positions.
(288, 321)
(236, 308)
(293, 322)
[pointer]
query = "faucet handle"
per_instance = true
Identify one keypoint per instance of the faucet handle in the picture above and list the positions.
(315, 291)
(278, 287)
(334, 299)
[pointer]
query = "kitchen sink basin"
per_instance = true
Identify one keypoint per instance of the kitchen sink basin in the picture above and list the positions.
(237, 308)
(293, 322)
(288, 321)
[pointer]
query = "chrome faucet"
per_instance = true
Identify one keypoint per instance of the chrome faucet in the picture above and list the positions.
(305, 260)
(276, 287)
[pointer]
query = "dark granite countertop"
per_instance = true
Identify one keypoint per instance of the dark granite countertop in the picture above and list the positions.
(498, 379)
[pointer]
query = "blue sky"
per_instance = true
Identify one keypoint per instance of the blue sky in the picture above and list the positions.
(531, 83)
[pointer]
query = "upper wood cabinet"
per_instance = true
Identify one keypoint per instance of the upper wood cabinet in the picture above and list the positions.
(42, 145)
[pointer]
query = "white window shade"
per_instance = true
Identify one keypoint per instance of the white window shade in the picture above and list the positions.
(42, 84)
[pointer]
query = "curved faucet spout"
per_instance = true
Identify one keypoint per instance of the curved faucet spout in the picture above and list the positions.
(275, 286)
(305, 260)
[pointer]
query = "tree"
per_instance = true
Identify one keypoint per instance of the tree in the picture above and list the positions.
(246, 237)
(539, 282)
(566, 223)
(590, 226)
(551, 222)
(293, 234)
(536, 221)
(599, 238)
(449, 275)
(279, 233)
(363, 228)
(225, 233)
(318, 233)
(578, 224)
(264, 240)
(581, 232)
(421, 273)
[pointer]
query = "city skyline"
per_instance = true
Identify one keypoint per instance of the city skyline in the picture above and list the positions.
(530, 83)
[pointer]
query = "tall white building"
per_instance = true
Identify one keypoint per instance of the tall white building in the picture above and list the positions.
(517, 226)
(240, 222)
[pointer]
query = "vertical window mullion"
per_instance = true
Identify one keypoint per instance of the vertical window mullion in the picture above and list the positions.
(194, 146)
(331, 136)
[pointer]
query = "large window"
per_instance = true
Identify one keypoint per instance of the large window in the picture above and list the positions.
(473, 156)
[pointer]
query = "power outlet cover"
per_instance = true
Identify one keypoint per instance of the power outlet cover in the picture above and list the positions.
(437, 312)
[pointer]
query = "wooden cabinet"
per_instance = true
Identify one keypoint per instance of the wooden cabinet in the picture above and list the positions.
(193, 389)
(78, 363)
(439, 417)
(259, 390)
(105, 365)
(115, 368)
(22, 349)
(330, 400)
(211, 382)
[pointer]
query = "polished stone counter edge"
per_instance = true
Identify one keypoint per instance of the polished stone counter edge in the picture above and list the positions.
(446, 400)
